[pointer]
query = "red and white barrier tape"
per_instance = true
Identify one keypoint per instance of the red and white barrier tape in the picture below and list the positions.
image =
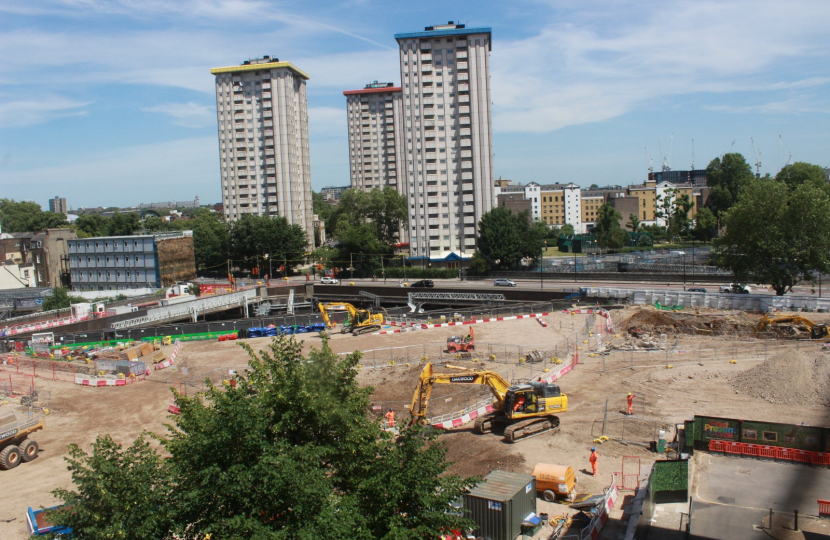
(461, 323)
(169, 362)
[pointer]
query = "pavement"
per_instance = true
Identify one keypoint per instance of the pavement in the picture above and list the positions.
(732, 498)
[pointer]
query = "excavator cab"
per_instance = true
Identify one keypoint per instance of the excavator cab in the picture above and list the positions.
(533, 398)
(819, 331)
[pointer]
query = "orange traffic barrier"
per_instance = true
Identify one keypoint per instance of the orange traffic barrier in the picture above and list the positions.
(784, 453)
(768, 452)
(802, 456)
(751, 450)
(823, 508)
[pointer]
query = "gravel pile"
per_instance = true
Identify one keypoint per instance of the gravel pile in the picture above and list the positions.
(794, 379)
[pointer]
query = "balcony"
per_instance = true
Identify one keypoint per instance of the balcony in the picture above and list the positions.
(466, 142)
(464, 132)
(464, 120)
(464, 109)
(267, 114)
(426, 46)
(461, 65)
(266, 95)
(460, 44)
(429, 145)
(431, 155)
(432, 200)
(426, 68)
(428, 91)
(469, 209)
(468, 199)
(469, 231)
(466, 176)
(463, 87)
(461, 55)
(464, 99)
(426, 57)
(463, 77)
(466, 164)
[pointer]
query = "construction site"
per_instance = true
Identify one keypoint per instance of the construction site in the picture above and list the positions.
(628, 380)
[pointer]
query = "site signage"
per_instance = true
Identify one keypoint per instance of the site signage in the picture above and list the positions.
(721, 429)
(464, 379)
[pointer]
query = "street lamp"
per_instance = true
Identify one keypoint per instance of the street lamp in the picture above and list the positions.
(684, 270)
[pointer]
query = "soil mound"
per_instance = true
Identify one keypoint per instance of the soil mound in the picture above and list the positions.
(794, 379)
(654, 321)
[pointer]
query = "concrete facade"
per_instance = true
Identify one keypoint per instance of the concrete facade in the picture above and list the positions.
(131, 262)
(375, 126)
(262, 113)
(58, 204)
(446, 109)
(17, 276)
(48, 253)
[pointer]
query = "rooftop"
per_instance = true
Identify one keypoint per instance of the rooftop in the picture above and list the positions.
(449, 29)
(257, 64)
(374, 87)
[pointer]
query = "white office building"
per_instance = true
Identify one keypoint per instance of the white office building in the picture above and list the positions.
(262, 111)
(447, 169)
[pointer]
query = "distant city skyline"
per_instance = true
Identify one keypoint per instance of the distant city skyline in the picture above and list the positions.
(111, 103)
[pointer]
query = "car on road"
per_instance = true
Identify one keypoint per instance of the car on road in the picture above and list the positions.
(502, 282)
(423, 284)
(329, 281)
(696, 289)
(736, 288)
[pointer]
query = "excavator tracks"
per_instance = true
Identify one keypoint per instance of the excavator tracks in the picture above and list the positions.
(530, 427)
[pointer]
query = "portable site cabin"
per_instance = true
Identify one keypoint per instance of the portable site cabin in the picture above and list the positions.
(500, 503)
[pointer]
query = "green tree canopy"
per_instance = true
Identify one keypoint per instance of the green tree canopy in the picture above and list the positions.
(777, 234)
(123, 224)
(508, 238)
(92, 225)
(799, 173)
(567, 229)
(705, 224)
(27, 216)
(726, 177)
(607, 228)
(253, 237)
(673, 207)
(60, 299)
(286, 452)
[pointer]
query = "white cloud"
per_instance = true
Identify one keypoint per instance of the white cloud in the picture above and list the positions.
(573, 74)
(28, 112)
(188, 114)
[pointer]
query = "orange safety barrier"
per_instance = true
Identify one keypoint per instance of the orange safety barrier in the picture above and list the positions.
(733, 448)
(823, 508)
(715, 446)
(802, 456)
(768, 452)
(819, 458)
(751, 450)
(784, 453)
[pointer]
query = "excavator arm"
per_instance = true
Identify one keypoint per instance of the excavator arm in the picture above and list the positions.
(326, 308)
(767, 321)
(420, 399)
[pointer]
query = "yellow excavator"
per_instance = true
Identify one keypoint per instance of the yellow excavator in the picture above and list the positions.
(522, 410)
(359, 321)
(817, 331)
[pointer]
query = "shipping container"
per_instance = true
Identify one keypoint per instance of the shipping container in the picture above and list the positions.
(500, 503)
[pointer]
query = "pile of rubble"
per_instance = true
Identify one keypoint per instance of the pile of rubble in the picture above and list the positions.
(795, 379)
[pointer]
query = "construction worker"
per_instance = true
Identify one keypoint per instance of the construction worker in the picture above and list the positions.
(631, 402)
(594, 459)
(519, 405)
(390, 417)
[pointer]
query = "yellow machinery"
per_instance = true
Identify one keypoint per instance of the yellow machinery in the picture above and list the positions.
(522, 410)
(359, 321)
(817, 331)
(15, 446)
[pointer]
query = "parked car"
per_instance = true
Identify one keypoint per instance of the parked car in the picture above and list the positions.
(502, 282)
(424, 283)
(696, 289)
(329, 281)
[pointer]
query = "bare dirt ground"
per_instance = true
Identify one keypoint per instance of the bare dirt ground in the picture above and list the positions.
(664, 396)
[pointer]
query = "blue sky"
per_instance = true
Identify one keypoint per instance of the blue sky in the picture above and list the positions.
(111, 102)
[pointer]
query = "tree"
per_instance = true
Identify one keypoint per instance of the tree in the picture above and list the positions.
(123, 224)
(726, 178)
(210, 239)
(776, 234)
(59, 299)
(91, 225)
(386, 209)
(567, 229)
(274, 454)
(633, 222)
(252, 237)
(673, 208)
(27, 216)
(799, 173)
(500, 237)
(479, 264)
(607, 228)
(705, 224)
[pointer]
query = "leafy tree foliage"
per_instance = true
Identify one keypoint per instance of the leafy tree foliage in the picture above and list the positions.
(90, 225)
(384, 208)
(607, 228)
(777, 233)
(673, 207)
(726, 178)
(255, 236)
(285, 452)
(27, 216)
(799, 173)
(567, 229)
(633, 222)
(60, 299)
(505, 238)
(705, 224)
(210, 239)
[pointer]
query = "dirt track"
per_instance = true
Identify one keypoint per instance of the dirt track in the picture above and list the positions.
(664, 397)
